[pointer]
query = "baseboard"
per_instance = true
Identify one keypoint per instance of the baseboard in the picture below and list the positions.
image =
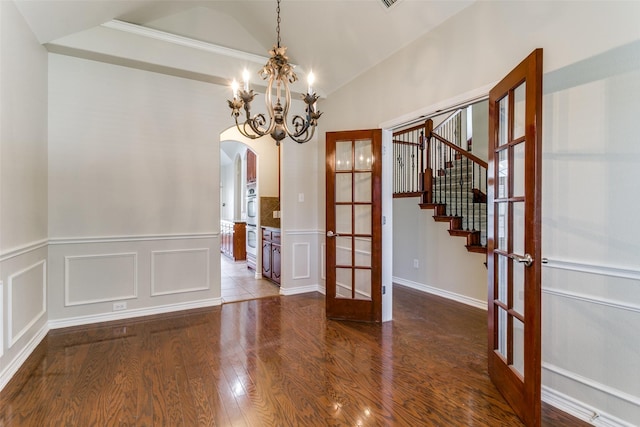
(299, 290)
(18, 361)
(579, 410)
(481, 304)
(129, 314)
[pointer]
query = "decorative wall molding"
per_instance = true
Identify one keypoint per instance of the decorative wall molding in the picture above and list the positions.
(593, 300)
(24, 249)
(299, 290)
(183, 41)
(25, 352)
(295, 262)
(481, 304)
(609, 391)
(129, 314)
(67, 268)
(602, 270)
(11, 338)
(131, 238)
(304, 232)
(579, 410)
(204, 287)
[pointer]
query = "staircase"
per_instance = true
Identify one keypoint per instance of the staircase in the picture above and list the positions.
(449, 180)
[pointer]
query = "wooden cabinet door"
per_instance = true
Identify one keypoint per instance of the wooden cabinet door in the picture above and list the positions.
(266, 259)
(275, 263)
(251, 166)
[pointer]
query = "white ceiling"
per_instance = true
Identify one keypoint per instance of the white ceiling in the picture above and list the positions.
(337, 39)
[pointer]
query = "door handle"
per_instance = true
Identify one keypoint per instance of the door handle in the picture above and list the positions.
(332, 234)
(526, 259)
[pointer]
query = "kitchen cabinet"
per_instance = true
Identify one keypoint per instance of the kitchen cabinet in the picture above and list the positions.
(251, 167)
(271, 254)
(233, 240)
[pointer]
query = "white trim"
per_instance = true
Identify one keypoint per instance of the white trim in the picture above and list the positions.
(579, 410)
(13, 366)
(68, 303)
(130, 314)
(293, 261)
(21, 250)
(131, 238)
(304, 232)
(184, 41)
(179, 291)
(609, 391)
(299, 290)
(449, 104)
(481, 304)
(593, 300)
(603, 270)
(13, 339)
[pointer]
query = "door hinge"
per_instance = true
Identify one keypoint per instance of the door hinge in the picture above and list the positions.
(384, 290)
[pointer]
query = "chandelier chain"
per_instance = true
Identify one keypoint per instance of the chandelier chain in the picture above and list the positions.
(279, 73)
(278, 21)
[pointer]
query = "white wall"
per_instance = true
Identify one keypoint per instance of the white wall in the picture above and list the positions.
(133, 192)
(23, 191)
(591, 287)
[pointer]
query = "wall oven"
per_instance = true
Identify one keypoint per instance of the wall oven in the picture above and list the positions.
(252, 207)
(252, 246)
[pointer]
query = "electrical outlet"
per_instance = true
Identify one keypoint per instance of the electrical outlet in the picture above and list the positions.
(117, 306)
(416, 263)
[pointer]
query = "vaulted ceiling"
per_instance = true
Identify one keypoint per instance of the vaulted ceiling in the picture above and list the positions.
(338, 40)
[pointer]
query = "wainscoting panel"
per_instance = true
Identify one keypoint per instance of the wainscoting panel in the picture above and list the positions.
(26, 299)
(179, 270)
(301, 261)
(98, 279)
(589, 313)
(90, 279)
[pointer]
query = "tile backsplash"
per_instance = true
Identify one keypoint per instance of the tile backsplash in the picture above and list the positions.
(269, 205)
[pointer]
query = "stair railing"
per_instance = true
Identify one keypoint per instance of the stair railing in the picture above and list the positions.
(443, 173)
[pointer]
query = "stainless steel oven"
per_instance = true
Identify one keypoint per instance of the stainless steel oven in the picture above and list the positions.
(252, 246)
(252, 207)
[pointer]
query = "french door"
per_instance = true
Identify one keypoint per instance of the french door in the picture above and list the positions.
(514, 244)
(354, 226)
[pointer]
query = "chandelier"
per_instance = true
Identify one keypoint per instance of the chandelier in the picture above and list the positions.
(280, 74)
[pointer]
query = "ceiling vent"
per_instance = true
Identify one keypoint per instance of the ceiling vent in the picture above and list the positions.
(388, 3)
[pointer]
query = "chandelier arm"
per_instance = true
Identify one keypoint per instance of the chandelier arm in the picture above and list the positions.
(268, 96)
(243, 131)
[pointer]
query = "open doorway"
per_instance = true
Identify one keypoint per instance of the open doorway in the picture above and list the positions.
(240, 251)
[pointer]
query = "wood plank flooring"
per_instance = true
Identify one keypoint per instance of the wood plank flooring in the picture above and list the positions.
(267, 362)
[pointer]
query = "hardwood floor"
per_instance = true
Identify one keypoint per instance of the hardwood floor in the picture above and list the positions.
(267, 362)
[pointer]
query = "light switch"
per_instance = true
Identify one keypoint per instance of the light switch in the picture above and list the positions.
(301, 197)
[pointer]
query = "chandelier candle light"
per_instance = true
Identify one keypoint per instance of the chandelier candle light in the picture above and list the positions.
(277, 70)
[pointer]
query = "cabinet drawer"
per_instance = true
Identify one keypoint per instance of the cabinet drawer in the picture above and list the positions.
(275, 237)
(266, 234)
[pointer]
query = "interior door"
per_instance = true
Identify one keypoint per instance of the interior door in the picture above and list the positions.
(354, 226)
(514, 244)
